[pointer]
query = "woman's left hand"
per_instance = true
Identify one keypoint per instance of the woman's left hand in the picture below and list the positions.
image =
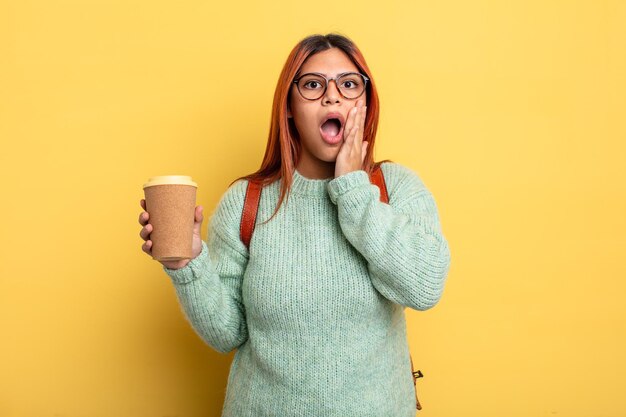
(353, 150)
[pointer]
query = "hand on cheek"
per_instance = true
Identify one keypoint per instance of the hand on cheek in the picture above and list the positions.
(353, 150)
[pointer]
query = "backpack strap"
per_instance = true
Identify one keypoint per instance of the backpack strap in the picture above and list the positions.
(377, 178)
(250, 209)
(415, 375)
(253, 198)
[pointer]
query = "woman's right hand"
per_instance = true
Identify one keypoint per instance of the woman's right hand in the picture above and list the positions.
(196, 246)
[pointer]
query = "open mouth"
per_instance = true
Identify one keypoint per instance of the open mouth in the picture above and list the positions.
(332, 130)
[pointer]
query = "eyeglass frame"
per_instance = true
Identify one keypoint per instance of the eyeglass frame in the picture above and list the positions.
(328, 80)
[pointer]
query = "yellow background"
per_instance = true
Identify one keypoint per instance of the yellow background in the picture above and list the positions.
(512, 112)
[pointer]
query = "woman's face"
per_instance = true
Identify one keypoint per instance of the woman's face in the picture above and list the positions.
(319, 151)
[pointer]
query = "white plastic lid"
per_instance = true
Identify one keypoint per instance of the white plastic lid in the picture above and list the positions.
(170, 180)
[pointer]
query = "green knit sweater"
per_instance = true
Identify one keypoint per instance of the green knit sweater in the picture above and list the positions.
(315, 308)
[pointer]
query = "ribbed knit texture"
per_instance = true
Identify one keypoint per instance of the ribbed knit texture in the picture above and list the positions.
(315, 308)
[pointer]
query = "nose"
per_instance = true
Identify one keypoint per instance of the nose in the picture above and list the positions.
(332, 94)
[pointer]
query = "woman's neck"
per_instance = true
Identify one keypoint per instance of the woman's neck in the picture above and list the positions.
(319, 170)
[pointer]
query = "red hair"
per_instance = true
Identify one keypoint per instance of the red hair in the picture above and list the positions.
(283, 147)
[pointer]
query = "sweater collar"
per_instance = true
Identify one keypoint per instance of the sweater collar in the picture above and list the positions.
(308, 186)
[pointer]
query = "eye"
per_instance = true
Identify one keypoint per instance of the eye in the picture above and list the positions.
(350, 83)
(312, 82)
(312, 85)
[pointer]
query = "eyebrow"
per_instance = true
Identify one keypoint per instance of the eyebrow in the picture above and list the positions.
(326, 74)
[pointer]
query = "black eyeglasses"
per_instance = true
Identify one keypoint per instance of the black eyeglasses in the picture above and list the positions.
(312, 86)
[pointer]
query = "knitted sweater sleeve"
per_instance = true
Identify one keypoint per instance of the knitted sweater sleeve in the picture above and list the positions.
(407, 255)
(209, 286)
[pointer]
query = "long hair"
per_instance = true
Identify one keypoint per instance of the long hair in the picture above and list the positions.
(283, 148)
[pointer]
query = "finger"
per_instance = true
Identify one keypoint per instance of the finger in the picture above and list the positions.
(350, 123)
(361, 129)
(364, 151)
(354, 125)
(361, 125)
(197, 225)
(363, 116)
(355, 129)
(145, 232)
(143, 203)
(198, 215)
(143, 218)
(147, 247)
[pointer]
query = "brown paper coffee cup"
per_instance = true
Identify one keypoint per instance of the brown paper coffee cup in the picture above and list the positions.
(171, 204)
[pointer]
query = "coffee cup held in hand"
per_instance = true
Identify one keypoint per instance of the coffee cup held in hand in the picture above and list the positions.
(171, 202)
